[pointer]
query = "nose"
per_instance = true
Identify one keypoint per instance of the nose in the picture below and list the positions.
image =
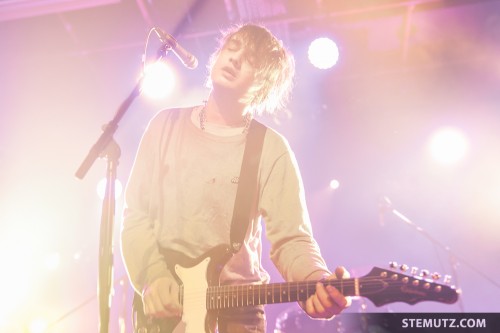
(236, 58)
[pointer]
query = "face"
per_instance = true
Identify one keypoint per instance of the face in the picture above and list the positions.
(234, 69)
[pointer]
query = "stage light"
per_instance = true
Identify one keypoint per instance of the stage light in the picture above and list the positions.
(101, 188)
(15, 256)
(77, 255)
(323, 53)
(448, 145)
(38, 326)
(53, 261)
(334, 184)
(158, 81)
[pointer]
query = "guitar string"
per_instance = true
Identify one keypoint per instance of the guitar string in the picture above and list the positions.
(286, 285)
(257, 290)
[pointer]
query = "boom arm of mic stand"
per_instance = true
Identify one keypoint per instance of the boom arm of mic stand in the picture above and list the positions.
(112, 126)
(107, 134)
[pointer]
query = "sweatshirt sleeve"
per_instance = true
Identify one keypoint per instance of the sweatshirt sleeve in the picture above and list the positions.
(294, 251)
(139, 248)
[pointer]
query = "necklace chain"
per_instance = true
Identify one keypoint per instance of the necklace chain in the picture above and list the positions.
(203, 119)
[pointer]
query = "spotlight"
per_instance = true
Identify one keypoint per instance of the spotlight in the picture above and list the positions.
(323, 53)
(158, 81)
(53, 261)
(448, 145)
(334, 184)
(38, 325)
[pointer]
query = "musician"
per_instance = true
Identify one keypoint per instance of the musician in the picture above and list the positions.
(182, 188)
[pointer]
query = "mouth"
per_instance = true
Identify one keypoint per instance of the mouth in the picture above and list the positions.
(229, 71)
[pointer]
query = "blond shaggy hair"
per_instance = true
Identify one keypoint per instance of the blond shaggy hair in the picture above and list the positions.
(274, 63)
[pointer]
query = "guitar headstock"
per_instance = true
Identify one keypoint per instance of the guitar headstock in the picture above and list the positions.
(383, 286)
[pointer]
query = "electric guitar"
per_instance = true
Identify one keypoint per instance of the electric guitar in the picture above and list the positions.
(202, 297)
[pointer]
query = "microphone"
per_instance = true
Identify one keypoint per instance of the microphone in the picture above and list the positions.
(186, 57)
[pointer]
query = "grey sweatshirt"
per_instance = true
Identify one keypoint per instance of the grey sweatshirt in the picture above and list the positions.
(180, 196)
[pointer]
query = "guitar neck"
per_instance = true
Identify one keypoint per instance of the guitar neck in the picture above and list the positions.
(222, 297)
(380, 286)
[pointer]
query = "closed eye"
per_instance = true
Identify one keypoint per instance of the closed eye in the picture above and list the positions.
(233, 45)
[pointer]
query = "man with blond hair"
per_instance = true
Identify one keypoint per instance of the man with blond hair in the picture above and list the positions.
(182, 188)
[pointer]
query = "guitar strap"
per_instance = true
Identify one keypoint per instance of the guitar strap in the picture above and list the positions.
(246, 194)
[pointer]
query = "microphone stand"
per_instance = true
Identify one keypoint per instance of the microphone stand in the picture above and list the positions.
(453, 257)
(108, 148)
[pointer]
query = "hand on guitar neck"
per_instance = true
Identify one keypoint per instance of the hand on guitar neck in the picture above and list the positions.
(327, 301)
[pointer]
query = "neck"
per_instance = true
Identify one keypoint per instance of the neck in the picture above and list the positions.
(224, 111)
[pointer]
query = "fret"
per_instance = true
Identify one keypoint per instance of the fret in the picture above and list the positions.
(269, 295)
(212, 299)
(309, 291)
(223, 297)
(251, 298)
(285, 292)
(235, 296)
(226, 297)
(292, 292)
(243, 289)
(259, 287)
(208, 298)
(301, 292)
(219, 299)
(241, 295)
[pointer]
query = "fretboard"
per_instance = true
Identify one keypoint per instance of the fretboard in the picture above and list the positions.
(222, 297)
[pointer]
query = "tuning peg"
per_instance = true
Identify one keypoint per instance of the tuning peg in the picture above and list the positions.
(424, 272)
(393, 264)
(447, 279)
(436, 276)
(404, 267)
(414, 270)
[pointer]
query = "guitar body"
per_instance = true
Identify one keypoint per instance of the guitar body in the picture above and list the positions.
(194, 276)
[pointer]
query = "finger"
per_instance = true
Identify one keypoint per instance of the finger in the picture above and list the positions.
(157, 308)
(323, 295)
(313, 307)
(342, 273)
(337, 298)
(152, 299)
(149, 307)
(319, 309)
(170, 299)
(308, 307)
